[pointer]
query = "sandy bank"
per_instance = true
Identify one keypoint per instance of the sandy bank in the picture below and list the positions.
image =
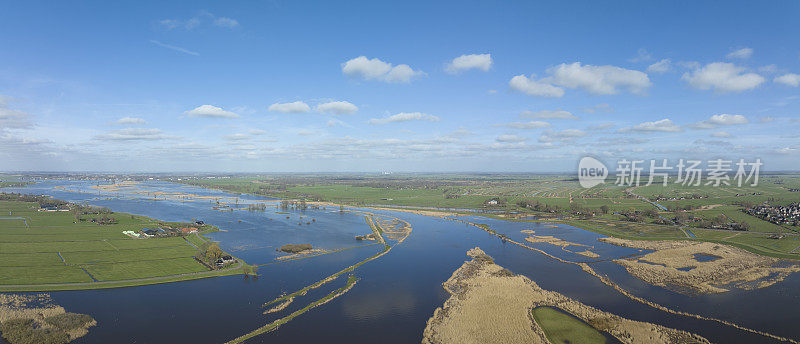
(489, 304)
(674, 265)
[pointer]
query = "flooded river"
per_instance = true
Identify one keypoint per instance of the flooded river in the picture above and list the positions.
(397, 292)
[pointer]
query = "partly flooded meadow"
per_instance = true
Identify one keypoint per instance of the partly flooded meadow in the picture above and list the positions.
(384, 287)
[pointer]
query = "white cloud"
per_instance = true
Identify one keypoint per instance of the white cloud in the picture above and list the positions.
(130, 121)
(13, 119)
(743, 54)
(548, 114)
(191, 23)
(601, 126)
(786, 150)
(720, 120)
(226, 22)
(660, 67)
(721, 134)
(337, 108)
(533, 87)
(334, 122)
(466, 62)
(257, 131)
(526, 125)
(405, 117)
(771, 68)
(510, 138)
(200, 19)
(789, 79)
(599, 79)
(210, 111)
(133, 134)
(169, 24)
(375, 69)
(402, 73)
(641, 56)
(665, 125)
(176, 48)
(237, 137)
(598, 108)
(293, 107)
(723, 77)
(306, 132)
(564, 135)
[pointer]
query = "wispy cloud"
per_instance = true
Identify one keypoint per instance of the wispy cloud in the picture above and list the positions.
(173, 47)
(134, 134)
(130, 121)
(405, 117)
(201, 19)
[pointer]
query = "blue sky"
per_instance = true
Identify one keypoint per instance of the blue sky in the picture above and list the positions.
(395, 86)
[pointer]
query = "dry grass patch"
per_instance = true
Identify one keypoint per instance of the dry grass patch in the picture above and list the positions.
(33, 318)
(732, 267)
(489, 304)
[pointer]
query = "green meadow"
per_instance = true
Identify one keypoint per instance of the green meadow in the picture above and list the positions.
(564, 199)
(563, 328)
(57, 251)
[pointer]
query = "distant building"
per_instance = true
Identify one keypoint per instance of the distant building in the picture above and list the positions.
(226, 259)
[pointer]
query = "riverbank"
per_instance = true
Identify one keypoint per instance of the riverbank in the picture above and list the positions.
(702, 267)
(85, 248)
(489, 304)
(35, 318)
(755, 242)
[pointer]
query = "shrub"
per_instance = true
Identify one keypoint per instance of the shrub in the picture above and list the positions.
(295, 248)
(69, 321)
(26, 331)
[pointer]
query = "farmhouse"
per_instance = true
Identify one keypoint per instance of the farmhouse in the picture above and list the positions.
(132, 234)
(224, 260)
(188, 230)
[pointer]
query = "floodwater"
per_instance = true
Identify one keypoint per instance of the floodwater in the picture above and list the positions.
(396, 293)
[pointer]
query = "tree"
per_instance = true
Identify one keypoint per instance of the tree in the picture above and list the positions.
(681, 217)
(604, 209)
(212, 252)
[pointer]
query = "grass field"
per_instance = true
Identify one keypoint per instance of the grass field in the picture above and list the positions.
(562, 328)
(472, 191)
(760, 243)
(53, 251)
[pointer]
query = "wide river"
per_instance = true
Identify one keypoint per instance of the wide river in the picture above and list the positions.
(397, 292)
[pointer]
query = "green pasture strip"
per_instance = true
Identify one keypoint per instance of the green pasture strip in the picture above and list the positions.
(562, 328)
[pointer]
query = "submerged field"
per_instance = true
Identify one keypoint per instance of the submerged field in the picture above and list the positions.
(645, 212)
(59, 250)
(395, 293)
